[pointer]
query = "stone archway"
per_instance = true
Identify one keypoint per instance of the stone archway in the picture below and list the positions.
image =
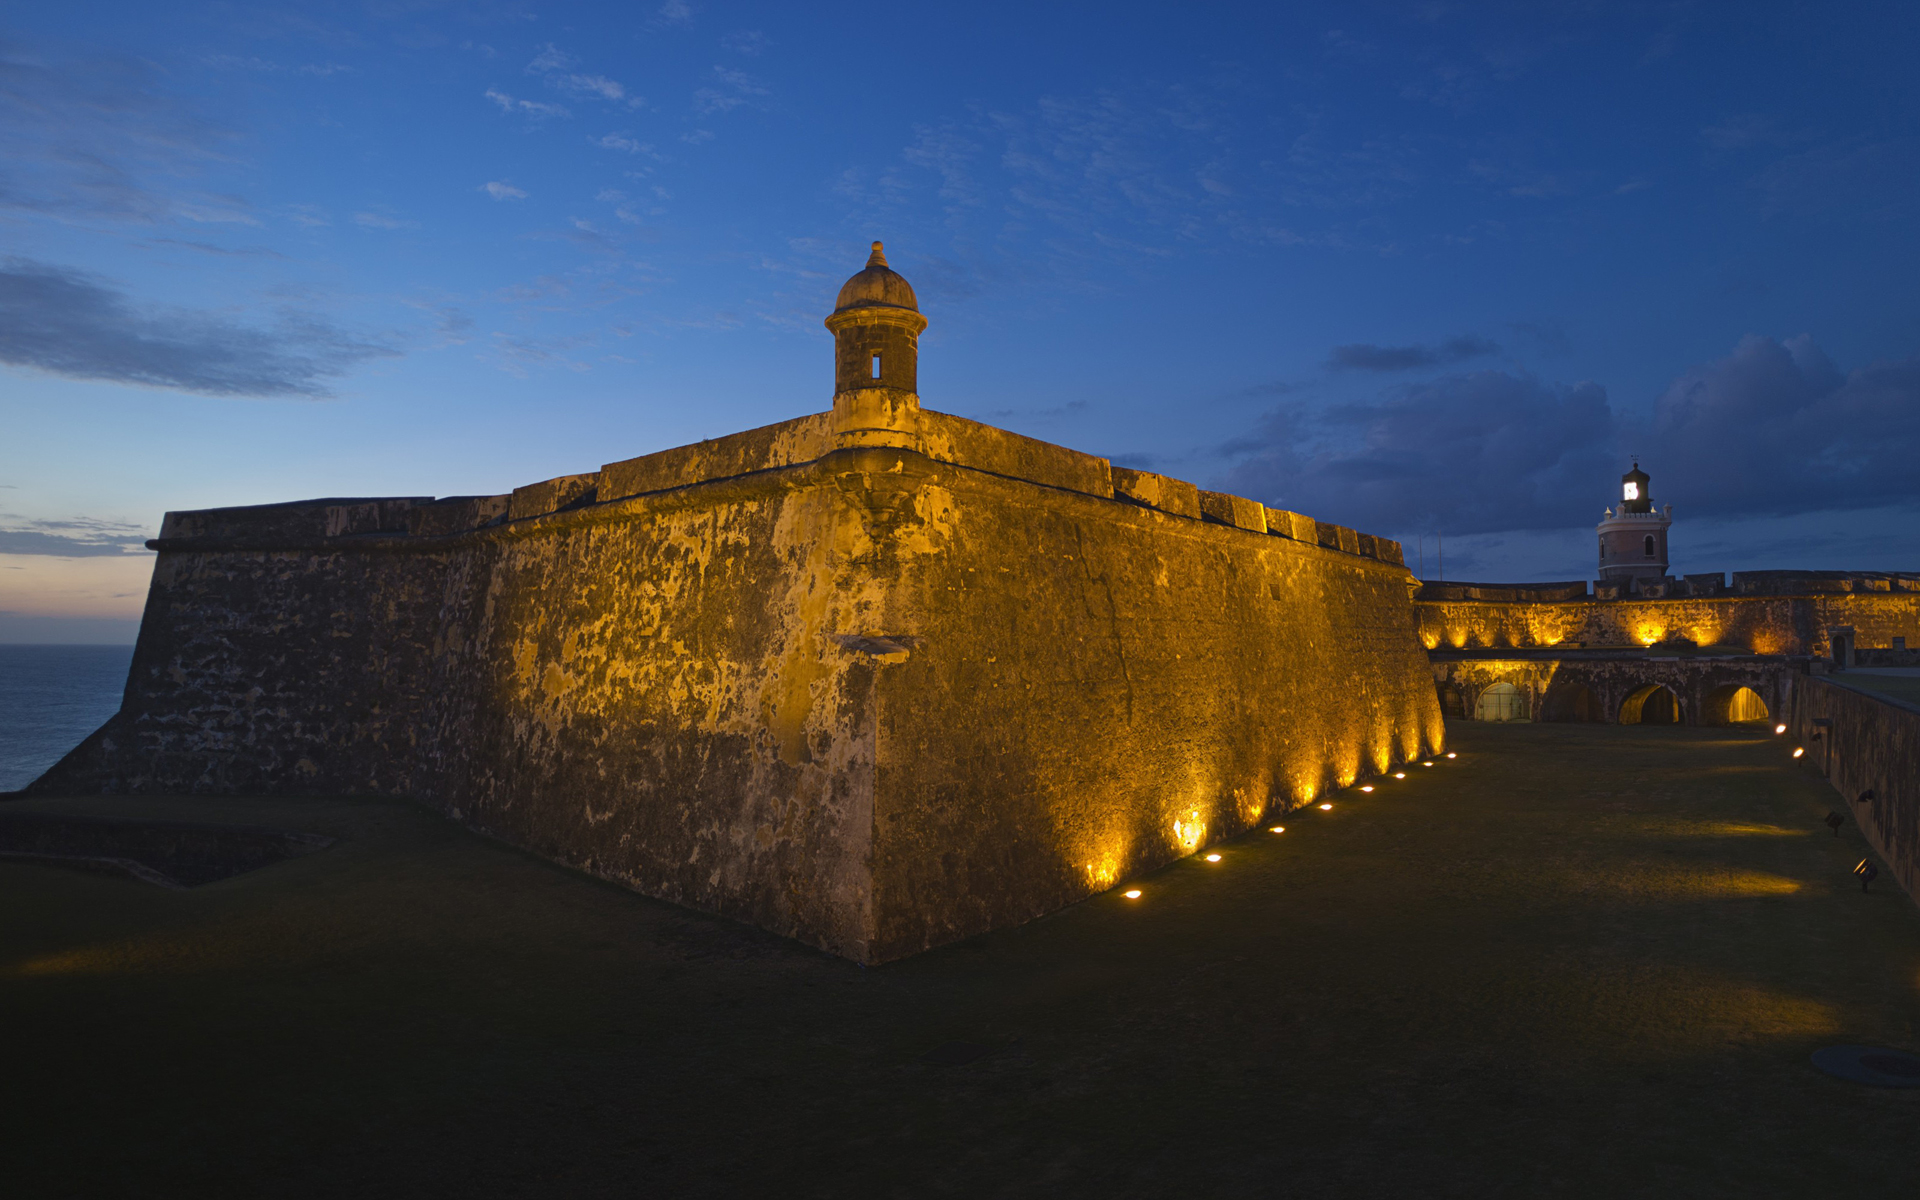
(1651, 704)
(1735, 704)
(1500, 702)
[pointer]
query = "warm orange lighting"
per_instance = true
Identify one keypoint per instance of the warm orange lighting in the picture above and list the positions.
(1426, 764)
(1327, 806)
(1278, 829)
(1366, 787)
(1799, 750)
(1213, 858)
(1451, 754)
(1132, 893)
(1778, 729)
(1399, 774)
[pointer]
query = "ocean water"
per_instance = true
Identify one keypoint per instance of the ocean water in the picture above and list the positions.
(51, 697)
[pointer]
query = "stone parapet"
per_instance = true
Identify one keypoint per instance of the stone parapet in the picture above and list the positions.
(1869, 750)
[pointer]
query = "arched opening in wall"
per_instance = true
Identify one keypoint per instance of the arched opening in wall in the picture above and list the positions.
(1501, 702)
(1654, 704)
(1570, 702)
(1452, 703)
(1736, 705)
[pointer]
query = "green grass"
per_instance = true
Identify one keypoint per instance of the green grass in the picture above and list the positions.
(1578, 960)
(1900, 687)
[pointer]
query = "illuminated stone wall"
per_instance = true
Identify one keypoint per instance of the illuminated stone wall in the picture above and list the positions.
(1760, 624)
(876, 699)
(1869, 750)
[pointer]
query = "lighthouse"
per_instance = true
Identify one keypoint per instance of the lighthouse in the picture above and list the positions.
(1633, 537)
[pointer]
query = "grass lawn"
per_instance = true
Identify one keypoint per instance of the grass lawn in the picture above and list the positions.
(1577, 960)
(1900, 687)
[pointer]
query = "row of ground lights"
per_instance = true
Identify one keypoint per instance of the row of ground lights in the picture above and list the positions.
(1136, 893)
(1797, 750)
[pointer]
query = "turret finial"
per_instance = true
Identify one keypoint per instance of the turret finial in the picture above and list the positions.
(878, 258)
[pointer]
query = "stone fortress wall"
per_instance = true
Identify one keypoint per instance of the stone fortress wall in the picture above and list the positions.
(1579, 656)
(876, 688)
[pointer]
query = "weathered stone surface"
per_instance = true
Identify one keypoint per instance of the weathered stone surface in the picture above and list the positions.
(1157, 491)
(875, 701)
(877, 679)
(552, 495)
(1237, 511)
(1777, 623)
(781, 445)
(1871, 744)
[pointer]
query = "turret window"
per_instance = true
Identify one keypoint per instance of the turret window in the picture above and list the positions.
(1649, 545)
(876, 366)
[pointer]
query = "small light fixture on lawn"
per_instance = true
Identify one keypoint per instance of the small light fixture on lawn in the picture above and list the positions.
(1834, 822)
(1213, 858)
(1325, 807)
(1451, 754)
(1799, 750)
(1278, 829)
(1132, 893)
(1779, 729)
(1867, 872)
(1399, 774)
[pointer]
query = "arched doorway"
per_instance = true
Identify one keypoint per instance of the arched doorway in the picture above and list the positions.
(1501, 702)
(1654, 704)
(1452, 703)
(1736, 705)
(1570, 702)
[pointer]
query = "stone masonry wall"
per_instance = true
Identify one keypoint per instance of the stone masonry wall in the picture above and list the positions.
(876, 700)
(1873, 744)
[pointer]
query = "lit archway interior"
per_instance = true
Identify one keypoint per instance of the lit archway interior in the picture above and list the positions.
(1733, 705)
(1654, 704)
(1501, 702)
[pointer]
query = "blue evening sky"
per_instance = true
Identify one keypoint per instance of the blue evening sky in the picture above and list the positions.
(1416, 268)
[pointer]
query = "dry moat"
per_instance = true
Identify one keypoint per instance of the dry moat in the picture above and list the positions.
(1583, 960)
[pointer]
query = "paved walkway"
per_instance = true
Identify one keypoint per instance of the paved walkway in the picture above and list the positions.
(1577, 960)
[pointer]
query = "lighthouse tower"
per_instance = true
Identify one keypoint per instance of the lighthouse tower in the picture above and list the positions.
(1633, 538)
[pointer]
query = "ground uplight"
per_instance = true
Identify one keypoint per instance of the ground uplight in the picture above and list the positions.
(1327, 806)
(1213, 858)
(1779, 729)
(1426, 764)
(1399, 774)
(1365, 787)
(1132, 893)
(1799, 750)
(1278, 829)
(1451, 754)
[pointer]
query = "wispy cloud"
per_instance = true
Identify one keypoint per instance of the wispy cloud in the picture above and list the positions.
(380, 220)
(1364, 356)
(732, 90)
(750, 42)
(532, 108)
(676, 12)
(68, 323)
(234, 62)
(82, 537)
(556, 67)
(102, 138)
(502, 191)
(623, 143)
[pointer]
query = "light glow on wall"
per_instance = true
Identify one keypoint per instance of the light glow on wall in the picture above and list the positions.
(1190, 832)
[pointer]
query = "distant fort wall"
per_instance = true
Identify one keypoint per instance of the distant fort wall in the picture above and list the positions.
(1763, 612)
(876, 698)
(1571, 656)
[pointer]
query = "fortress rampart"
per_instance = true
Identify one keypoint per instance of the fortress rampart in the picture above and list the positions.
(1763, 612)
(875, 697)
(1571, 656)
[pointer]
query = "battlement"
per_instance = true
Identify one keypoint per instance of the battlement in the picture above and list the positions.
(942, 437)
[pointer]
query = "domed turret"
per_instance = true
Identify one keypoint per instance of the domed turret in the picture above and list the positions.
(876, 326)
(877, 286)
